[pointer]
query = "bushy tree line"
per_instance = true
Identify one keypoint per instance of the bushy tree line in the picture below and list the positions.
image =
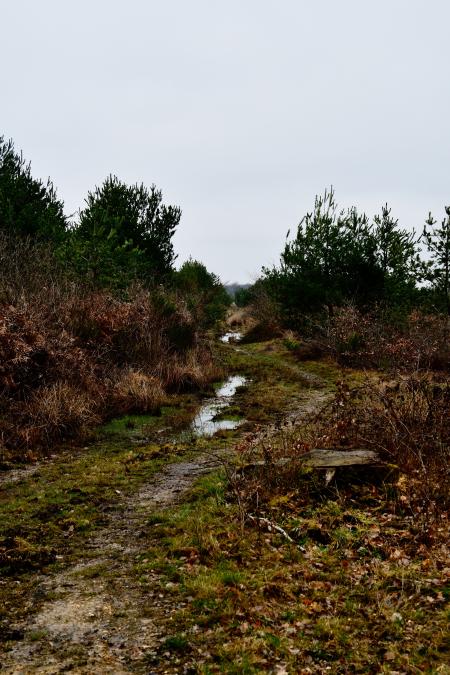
(95, 321)
(123, 234)
(339, 257)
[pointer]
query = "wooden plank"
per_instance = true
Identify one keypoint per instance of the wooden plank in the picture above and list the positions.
(325, 458)
(329, 458)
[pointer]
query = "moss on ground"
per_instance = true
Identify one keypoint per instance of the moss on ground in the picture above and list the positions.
(46, 517)
(254, 600)
(355, 592)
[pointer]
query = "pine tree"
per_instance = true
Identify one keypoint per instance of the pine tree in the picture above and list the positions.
(396, 255)
(437, 269)
(28, 206)
(129, 227)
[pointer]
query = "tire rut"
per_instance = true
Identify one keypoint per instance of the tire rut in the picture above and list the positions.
(91, 624)
(94, 617)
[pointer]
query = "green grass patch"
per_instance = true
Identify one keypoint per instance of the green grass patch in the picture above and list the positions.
(358, 603)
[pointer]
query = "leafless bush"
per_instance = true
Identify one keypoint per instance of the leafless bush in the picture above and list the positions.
(417, 342)
(405, 420)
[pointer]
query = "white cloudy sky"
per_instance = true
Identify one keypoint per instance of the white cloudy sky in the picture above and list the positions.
(240, 111)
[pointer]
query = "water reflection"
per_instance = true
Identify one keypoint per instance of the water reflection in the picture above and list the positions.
(233, 336)
(205, 423)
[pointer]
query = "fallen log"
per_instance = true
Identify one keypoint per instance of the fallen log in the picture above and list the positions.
(326, 459)
(330, 458)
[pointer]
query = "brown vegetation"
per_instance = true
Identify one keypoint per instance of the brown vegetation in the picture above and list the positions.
(86, 356)
(263, 321)
(404, 420)
(417, 342)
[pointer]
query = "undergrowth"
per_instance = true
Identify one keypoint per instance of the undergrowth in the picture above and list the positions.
(89, 356)
(352, 592)
(283, 572)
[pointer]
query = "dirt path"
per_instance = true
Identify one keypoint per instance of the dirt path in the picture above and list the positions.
(96, 617)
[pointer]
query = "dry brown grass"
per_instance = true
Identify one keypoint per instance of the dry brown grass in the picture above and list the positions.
(138, 392)
(240, 319)
(192, 370)
(71, 356)
(58, 411)
(264, 320)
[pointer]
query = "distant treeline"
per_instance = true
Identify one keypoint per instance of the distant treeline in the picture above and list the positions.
(238, 293)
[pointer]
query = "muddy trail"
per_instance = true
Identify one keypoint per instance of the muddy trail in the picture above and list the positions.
(95, 616)
(93, 622)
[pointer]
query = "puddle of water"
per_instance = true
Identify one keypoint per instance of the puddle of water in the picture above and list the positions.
(205, 423)
(228, 388)
(233, 336)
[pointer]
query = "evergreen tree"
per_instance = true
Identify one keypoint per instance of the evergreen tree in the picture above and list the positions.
(243, 296)
(397, 256)
(437, 269)
(338, 257)
(206, 296)
(332, 259)
(131, 227)
(28, 207)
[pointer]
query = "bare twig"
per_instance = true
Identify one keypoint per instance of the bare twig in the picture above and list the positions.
(273, 526)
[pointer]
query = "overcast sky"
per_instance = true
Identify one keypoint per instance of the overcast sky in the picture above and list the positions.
(240, 111)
